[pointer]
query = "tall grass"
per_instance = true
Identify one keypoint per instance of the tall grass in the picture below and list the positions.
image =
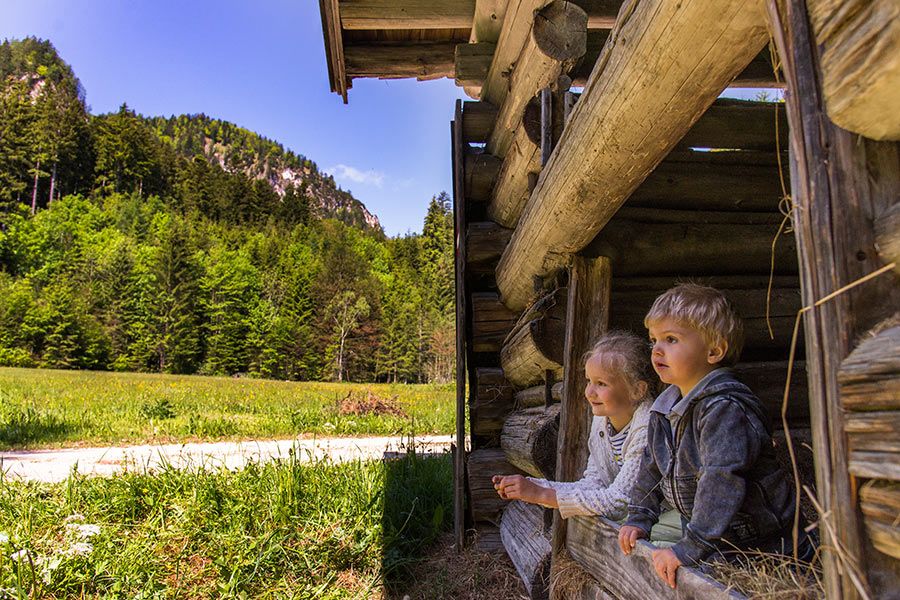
(279, 529)
(53, 408)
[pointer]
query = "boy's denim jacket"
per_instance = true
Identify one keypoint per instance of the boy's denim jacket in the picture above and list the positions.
(717, 467)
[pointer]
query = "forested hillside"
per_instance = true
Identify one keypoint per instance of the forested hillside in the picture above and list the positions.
(191, 245)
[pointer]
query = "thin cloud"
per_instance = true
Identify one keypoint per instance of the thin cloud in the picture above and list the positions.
(348, 173)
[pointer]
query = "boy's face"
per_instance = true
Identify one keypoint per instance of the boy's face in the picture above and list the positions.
(681, 356)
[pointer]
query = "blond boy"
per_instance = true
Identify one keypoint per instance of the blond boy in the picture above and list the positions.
(709, 452)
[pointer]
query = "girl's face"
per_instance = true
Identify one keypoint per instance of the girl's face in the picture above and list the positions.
(608, 394)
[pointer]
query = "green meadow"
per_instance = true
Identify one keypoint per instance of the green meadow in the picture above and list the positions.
(280, 529)
(47, 408)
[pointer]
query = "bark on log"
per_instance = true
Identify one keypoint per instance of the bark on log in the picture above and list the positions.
(880, 503)
(613, 140)
(870, 376)
(536, 344)
(491, 322)
(522, 532)
(406, 14)
(398, 61)
(478, 120)
(529, 440)
(558, 38)
(859, 41)
(485, 242)
(481, 173)
(486, 504)
(511, 191)
(887, 236)
(492, 401)
(637, 248)
(537, 396)
(593, 543)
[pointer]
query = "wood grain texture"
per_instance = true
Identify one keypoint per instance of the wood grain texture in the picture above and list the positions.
(422, 61)
(675, 57)
(406, 14)
(537, 396)
(529, 439)
(510, 194)
(860, 62)
(492, 401)
(478, 120)
(593, 543)
(481, 173)
(870, 376)
(491, 322)
(485, 504)
(522, 532)
(887, 235)
(880, 503)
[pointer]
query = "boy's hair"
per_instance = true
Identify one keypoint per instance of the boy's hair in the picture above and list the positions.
(705, 309)
(627, 354)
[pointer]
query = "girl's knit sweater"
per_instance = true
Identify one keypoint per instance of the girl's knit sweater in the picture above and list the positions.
(605, 488)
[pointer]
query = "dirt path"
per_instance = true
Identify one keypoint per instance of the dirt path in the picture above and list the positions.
(55, 465)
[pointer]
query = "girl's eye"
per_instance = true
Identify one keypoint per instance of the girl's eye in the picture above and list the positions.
(671, 339)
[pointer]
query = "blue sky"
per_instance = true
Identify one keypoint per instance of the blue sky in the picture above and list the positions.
(260, 64)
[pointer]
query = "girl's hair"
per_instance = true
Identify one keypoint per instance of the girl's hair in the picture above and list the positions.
(625, 353)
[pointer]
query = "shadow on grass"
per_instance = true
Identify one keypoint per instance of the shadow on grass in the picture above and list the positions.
(418, 508)
(25, 426)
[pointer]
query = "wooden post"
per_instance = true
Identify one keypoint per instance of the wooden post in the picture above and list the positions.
(587, 316)
(546, 125)
(840, 183)
(459, 209)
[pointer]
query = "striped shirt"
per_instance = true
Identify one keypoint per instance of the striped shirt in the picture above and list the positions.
(617, 441)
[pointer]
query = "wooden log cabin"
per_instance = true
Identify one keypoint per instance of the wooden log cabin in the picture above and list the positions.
(575, 208)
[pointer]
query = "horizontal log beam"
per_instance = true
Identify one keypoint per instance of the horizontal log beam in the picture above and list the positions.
(537, 396)
(859, 41)
(481, 173)
(558, 38)
(869, 377)
(593, 543)
(521, 165)
(528, 547)
(535, 346)
(486, 505)
(423, 61)
(491, 322)
(613, 140)
(875, 465)
(406, 14)
(887, 236)
(877, 431)
(697, 181)
(492, 401)
(529, 440)
(478, 120)
(485, 242)
(640, 248)
(471, 65)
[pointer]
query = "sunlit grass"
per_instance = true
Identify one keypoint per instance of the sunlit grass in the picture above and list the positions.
(279, 529)
(40, 408)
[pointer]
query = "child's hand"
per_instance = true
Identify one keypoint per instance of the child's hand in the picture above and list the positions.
(628, 537)
(666, 564)
(516, 487)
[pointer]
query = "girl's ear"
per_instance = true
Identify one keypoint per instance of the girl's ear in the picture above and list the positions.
(640, 390)
(717, 352)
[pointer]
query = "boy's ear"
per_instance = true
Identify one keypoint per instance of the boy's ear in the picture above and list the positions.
(717, 352)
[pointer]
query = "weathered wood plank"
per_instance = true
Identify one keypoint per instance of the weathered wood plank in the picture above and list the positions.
(522, 532)
(492, 401)
(739, 124)
(472, 62)
(535, 346)
(593, 543)
(558, 38)
(877, 431)
(870, 376)
(460, 281)
(406, 14)
(839, 184)
(425, 60)
(587, 317)
(859, 41)
(486, 505)
(613, 140)
(491, 322)
(485, 241)
(875, 465)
